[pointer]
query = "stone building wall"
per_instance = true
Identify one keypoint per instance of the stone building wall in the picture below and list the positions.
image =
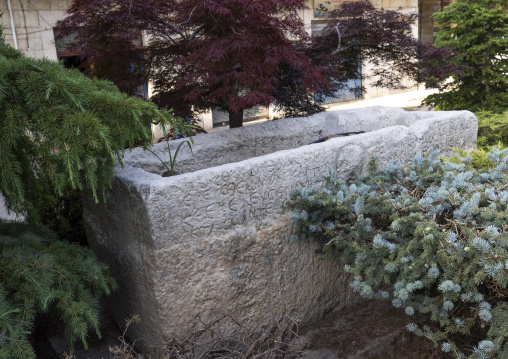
(34, 21)
(426, 30)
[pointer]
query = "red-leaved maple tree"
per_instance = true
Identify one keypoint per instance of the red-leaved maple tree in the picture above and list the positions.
(235, 54)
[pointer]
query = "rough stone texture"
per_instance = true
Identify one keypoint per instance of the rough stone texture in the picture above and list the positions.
(215, 239)
(238, 144)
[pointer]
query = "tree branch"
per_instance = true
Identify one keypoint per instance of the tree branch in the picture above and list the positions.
(190, 16)
(172, 27)
(340, 38)
(197, 31)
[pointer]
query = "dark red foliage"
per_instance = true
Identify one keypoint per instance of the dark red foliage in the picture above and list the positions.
(235, 54)
(207, 53)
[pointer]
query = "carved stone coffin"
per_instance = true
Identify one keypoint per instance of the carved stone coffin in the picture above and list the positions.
(214, 239)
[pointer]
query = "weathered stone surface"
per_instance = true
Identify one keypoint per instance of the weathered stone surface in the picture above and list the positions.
(238, 144)
(215, 238)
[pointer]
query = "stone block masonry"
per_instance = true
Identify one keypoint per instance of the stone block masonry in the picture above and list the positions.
(214, 239)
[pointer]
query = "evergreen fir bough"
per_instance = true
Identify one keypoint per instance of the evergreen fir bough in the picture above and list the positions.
(477, 31)
(431, 238)
(60, 130)
(40, 273)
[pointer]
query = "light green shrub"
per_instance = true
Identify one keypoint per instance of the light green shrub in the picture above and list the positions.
(492, 129)
(479, 158)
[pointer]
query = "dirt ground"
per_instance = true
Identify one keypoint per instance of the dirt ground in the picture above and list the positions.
(373, 330)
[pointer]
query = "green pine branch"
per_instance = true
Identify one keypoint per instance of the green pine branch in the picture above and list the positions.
(60, 130)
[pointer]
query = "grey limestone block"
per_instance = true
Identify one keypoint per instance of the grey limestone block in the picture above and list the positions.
(214, 239)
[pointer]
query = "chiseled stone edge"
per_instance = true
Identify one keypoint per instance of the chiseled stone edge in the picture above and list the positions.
(238, 144)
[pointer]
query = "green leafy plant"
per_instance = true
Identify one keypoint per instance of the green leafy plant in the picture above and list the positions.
(492, 129)
(492, 132)
(479, 158)
(172, 158)
(432, 238)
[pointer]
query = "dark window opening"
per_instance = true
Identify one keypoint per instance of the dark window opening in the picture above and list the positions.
(72, 62)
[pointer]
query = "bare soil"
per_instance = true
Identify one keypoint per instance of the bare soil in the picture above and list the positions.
(373, 330)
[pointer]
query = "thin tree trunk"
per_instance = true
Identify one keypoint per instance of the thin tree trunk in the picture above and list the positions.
(235, 119)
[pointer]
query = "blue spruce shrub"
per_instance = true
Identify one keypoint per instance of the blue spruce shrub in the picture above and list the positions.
(446, 347)
(431, 238)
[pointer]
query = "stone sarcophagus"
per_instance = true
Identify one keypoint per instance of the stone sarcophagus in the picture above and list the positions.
(214, 238)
